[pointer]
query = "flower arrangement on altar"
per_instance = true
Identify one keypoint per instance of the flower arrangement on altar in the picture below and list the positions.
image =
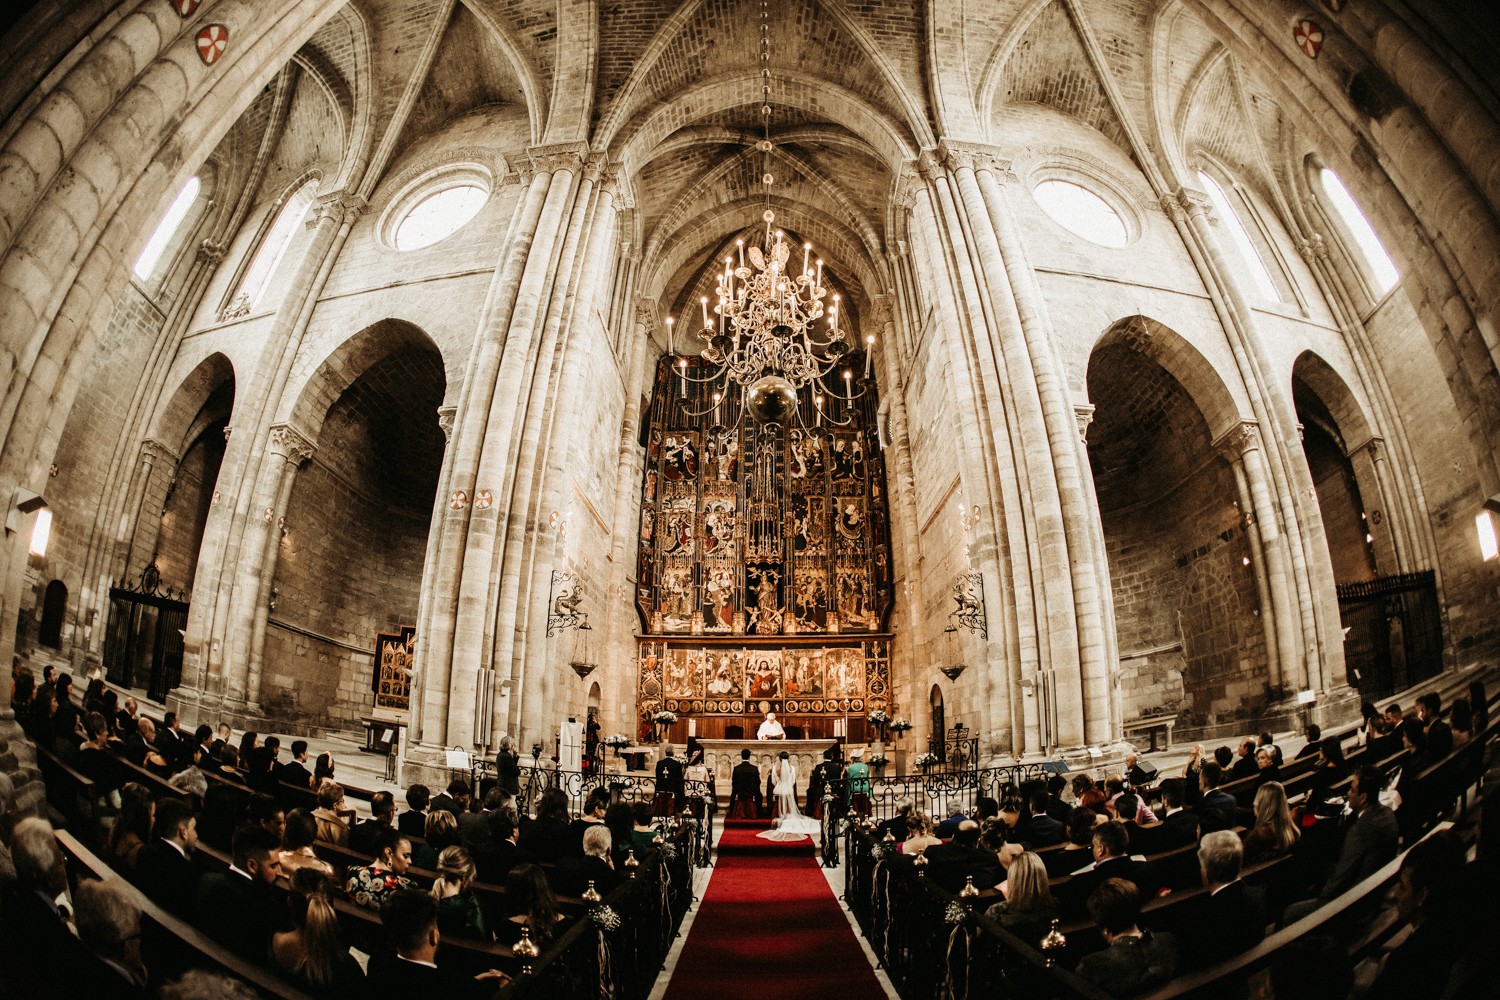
(877, 761)
(664, 718)
(925, 759)
(879, 718)
(616, 742)
(900, 724)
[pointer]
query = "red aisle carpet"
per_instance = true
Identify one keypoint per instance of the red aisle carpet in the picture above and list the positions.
(769, 928)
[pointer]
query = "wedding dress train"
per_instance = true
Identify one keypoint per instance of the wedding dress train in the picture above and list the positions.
(790, 823)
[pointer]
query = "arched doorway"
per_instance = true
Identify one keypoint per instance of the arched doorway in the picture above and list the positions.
(935, 741)
(1185, 597)
(354, 538)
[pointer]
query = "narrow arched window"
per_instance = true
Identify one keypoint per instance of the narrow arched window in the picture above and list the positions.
(1380, 270)
(274, 246)
(54, 607)
(1240, 237)
(161, 238)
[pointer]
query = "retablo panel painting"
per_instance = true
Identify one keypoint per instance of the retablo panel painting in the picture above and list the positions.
(393, 654)
(732, 679)
(758, 529)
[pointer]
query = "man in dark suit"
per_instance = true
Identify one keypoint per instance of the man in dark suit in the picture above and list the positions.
(364, 836)
(1041, 830)
(1314, 737)
(1244, 765)
(948, 828)
(200, 751)
(410, 918)
(744, 785)
(574, 873)
(164, 869)
(496, 858)
(669, 778)
(294, 772)
(949, 865)
(1231, 918)
(169, 738)
(1370, 841)
(1056, 807)
(1178, 826)
(474, 828)
(455, 799)
(1439, 733)
(1111, 842)
(241, 908)
(1136, 776)
(413, 822)
(1217, 809)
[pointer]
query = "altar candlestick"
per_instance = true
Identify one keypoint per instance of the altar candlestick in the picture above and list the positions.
(671, 337)
(682, 374)
(869, 353)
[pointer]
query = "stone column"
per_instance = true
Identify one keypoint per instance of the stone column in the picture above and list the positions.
(416, 707)
(1232, 451)
(445, 602)
(987, 471)
(1370, 470)
(1084, 561)
(294, 449)
(1244, 442)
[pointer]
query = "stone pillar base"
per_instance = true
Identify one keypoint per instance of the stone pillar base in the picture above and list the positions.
(427, 763)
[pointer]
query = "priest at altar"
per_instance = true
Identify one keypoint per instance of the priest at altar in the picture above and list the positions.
(770, 729)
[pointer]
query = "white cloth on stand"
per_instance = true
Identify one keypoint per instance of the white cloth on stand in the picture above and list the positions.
(570, 753)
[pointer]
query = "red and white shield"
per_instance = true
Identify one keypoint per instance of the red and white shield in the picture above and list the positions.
(1309, 38)
(458, 500)
(1335, 5)
(185, 8)
(483, 500)
(212, 40)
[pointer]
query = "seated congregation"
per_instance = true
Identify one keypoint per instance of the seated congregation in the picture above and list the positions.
(176, 851)
(1243, 872)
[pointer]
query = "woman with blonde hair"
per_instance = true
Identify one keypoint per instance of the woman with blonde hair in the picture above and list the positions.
(1028, 898)
(459, 912)
(1275, 832)
(312, 954)
(919, 835)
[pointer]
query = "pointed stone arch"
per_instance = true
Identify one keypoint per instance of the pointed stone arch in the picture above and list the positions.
(1183, 362)
(176, 424)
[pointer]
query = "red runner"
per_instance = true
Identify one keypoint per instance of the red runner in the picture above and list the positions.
(768, 928)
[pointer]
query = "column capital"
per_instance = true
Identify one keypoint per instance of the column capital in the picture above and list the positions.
(1238, 440)
(210, 252)
(291, 443)
(930, 165)
(1374, 445)
(446, 416)
(1084, 414)
(339, 207)
(904, 187)
(975, 156)
(882, 310)
(646, 311)
(157, 452)
(558, 156)
(1185, 202)
(1313, 248)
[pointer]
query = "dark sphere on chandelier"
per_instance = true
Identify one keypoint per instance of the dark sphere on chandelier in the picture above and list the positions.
(771, 400)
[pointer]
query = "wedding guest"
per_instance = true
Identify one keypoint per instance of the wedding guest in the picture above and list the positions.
(1275, 833)
(459, 912)
(532, 905)
(1135, 959)
(312, 953)
(370, 885)
(1028, 906)
(332, 814)
(441, 831)
(294, 772)
(413, 822)
(132, 829)
(920, 833)
(298, 835)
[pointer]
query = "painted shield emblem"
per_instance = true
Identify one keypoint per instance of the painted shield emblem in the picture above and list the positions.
(212, 40)
(1309, 38)
(185, 8)
(458, 500)
(483, 499)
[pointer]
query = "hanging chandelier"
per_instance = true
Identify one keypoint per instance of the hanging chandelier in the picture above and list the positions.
(764, 332)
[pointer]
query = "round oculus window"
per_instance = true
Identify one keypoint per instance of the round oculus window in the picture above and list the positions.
(439, 215)
(1081, 212)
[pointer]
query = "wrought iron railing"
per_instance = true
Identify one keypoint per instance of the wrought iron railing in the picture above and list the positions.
(935, 790)
(934, 944)
(617, 949)
(696, 809)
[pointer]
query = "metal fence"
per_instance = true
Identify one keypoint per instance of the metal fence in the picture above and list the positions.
(932, 792)
(616, 950)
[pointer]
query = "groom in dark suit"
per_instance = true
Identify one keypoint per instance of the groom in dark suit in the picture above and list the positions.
(745, 785)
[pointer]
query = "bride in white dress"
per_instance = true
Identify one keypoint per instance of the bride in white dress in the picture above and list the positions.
(790, 823)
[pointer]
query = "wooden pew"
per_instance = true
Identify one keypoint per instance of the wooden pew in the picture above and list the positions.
(174, 945)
